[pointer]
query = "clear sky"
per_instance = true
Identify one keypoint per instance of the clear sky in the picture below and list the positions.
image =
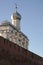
(31, 22)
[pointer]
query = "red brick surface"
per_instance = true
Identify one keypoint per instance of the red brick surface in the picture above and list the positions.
(12, 54)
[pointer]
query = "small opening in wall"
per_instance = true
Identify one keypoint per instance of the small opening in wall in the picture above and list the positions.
(11, 31)
(23, 39)
(19, 40)
(15, 33)
(19, 35)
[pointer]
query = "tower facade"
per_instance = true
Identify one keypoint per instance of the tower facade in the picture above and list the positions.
(12, 32)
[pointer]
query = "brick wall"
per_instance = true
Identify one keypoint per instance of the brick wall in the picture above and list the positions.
(12, 54)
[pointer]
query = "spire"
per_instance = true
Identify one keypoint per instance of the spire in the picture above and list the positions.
(16, 7)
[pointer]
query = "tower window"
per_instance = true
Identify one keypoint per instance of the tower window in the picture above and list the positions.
(15, 33)
(23, 39)
(19, 40)
(19, 35)
(15, 39)
(11, 31)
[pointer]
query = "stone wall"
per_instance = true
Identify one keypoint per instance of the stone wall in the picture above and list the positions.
(12, 54)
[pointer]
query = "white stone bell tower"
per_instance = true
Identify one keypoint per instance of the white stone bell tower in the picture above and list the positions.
(16, 17)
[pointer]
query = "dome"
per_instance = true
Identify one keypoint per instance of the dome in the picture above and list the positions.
(5, 22)
(16, 15)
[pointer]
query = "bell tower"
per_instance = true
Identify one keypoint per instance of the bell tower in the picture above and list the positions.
(16, 17)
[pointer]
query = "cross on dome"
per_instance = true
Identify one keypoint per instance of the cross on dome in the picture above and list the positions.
(16, 7)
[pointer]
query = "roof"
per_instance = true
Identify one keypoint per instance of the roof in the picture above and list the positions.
(16, 15)
(5, 22)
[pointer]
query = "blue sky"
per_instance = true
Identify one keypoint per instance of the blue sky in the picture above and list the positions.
(31, 22)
